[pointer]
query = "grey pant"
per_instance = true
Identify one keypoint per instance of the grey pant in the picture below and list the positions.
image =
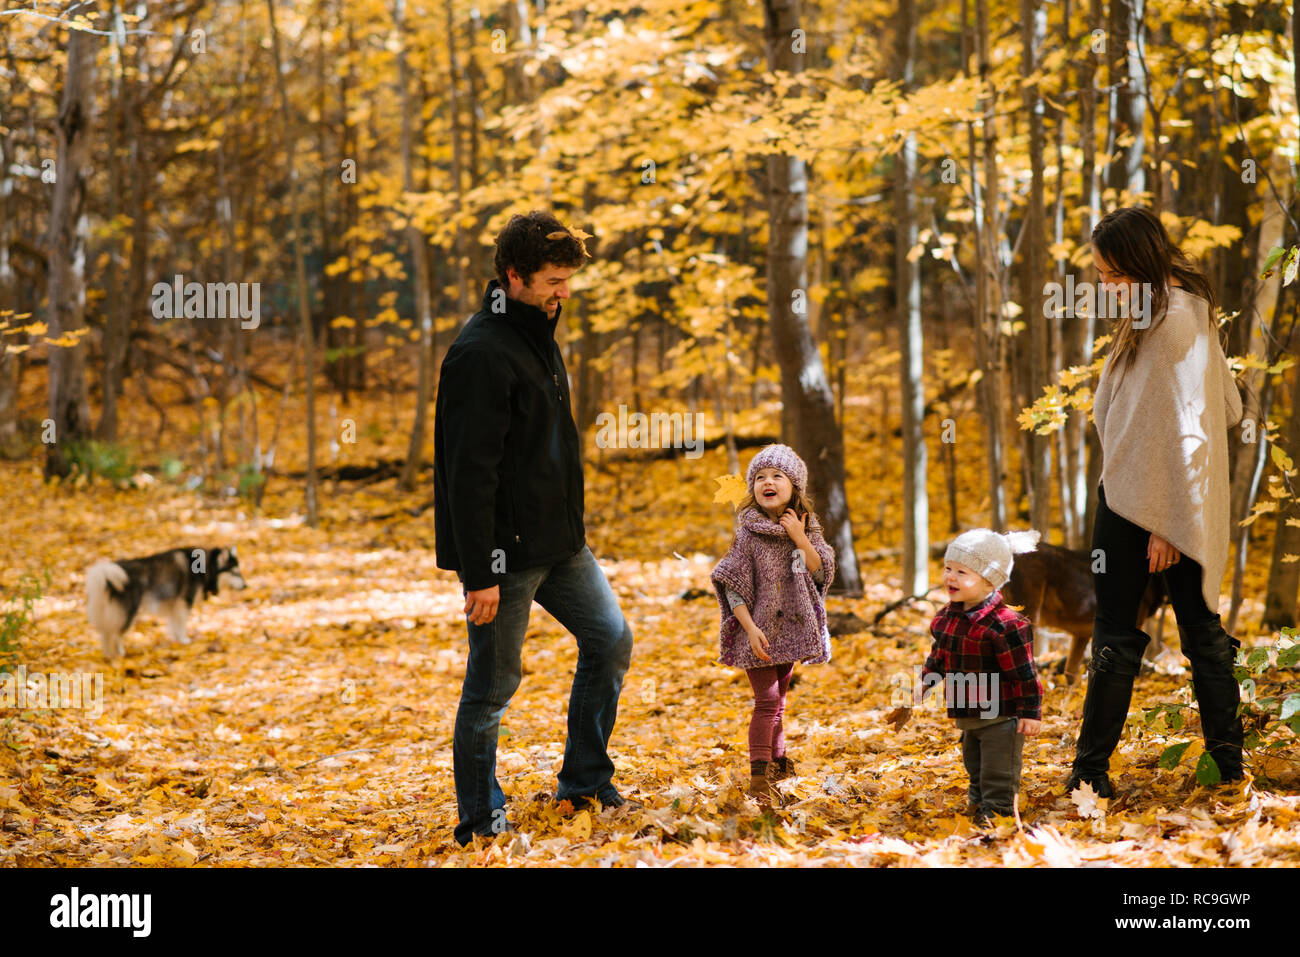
(991, 750)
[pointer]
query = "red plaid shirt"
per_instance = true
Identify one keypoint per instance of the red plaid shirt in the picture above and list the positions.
(969, 649)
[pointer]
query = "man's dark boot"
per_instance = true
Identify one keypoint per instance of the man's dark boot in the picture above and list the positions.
(1105, 708)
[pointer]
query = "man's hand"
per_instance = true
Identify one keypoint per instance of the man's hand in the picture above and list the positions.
(1028, 726)
(481, 605)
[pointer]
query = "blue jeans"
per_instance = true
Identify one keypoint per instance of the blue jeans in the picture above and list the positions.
(577, 593)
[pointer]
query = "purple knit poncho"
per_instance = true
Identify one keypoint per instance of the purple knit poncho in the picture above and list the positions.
(789, 606)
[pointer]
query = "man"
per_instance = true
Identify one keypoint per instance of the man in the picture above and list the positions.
(508, 518)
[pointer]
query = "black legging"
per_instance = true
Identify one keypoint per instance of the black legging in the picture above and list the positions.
(1118, 642)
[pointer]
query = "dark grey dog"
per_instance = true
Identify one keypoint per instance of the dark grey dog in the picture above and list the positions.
(168, 582)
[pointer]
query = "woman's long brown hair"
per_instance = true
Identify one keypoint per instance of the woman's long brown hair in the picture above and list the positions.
(1137, 246)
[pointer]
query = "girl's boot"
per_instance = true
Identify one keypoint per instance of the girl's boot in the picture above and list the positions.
(759, 788)
(780, 768)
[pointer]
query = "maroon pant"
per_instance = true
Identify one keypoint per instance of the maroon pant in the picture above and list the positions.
(766, 735)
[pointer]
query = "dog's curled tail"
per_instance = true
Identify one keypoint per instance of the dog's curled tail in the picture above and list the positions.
(105, 615)
(1023, 541)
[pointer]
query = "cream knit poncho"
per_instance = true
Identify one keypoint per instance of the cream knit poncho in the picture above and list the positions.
(1163, 424)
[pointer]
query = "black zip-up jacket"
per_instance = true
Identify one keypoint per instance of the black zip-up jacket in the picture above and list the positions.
(507, 471)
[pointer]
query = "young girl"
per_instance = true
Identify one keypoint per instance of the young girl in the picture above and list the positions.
(771, 588)
(1164, 403)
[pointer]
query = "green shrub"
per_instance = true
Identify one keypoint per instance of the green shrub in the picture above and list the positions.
(17, 618)
(250, 480)
(112, 460)
(1271, 720)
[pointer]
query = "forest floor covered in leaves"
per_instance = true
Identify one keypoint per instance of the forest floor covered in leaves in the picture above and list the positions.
(309, 721)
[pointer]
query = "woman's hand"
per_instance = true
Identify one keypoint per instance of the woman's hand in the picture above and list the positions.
(1160, 554)
(759, 643)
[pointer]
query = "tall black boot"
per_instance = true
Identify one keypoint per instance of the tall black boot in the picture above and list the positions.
(1211, 651)
(1105, 708)
(1218, 696)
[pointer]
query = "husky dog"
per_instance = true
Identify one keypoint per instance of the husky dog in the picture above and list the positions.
(168, 582)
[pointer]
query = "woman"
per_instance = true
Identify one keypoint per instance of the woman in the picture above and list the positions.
(1165, 401)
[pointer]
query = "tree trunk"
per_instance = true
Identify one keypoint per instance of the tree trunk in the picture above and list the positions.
(907, 285)
(804, 389)
(336, 337)
(1060, 339)
(69, 405)
(1080, 440)
(988, 325)
(1033, 34)
(116, 315)
(457, 164)
(1284, 576)
(475, 105)
(1128, 96)
(516, 84)
(300, 268)
(140, 162)
(8, 287)
(1251, 457)
(415, 238)
(1280, 601)
(356, 362)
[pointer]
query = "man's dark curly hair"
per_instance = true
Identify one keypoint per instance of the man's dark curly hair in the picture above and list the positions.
(529, 243)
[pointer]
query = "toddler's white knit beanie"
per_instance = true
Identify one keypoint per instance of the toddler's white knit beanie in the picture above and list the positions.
(988, 553)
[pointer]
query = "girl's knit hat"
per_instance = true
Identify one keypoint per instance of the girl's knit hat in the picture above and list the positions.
(988, 553)
(779, 457)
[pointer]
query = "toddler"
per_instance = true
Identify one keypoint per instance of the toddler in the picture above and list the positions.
(983, 658)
